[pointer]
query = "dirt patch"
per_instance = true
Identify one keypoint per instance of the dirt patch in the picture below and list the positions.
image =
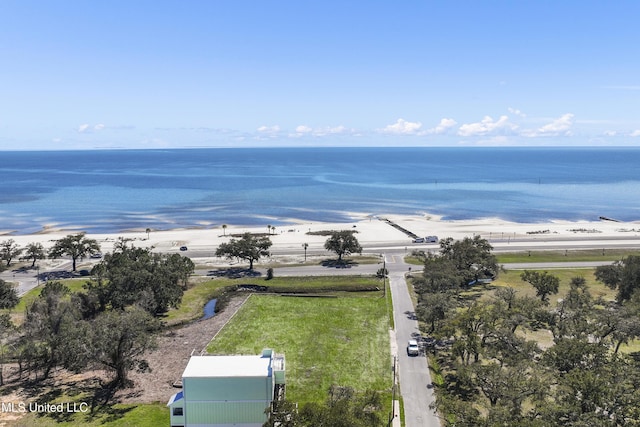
(172, 355)
(167, 363)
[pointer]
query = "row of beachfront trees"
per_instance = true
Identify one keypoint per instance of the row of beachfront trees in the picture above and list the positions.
(76, 246)
(500, 358)
(248, 248)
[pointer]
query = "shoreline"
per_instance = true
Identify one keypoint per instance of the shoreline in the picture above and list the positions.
(371, 230)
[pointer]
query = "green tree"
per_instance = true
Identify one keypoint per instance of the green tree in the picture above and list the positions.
(224, 229)
(440, 274)
(472, 258)
(283, 413)
(623, 275)
(434, 308)
(608, 395)
(9, 250)
(575, 353)
(33, 252)
(77, 246)
(248, 248)
(6, 329)
(53, 332)
(343, 243)
(132, 275)
(343, 408)
(8, 295)
(544, 283)
(120, 340)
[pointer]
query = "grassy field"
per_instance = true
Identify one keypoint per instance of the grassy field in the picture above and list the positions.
(543, 337)
(197, 295)
(147, 415)
(17, 313)
(570, 255)
(512, 279)
(343, 341)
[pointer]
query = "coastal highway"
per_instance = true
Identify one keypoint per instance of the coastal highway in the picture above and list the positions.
(537, 243)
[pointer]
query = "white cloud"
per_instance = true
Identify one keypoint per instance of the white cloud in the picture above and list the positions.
(444, 125)
(402, 127)
(330, 131)
(303, 129)
(487, 126)
(610, 133)
(269, 129)
(560, 126)
(87, 128)
(516, 112)
(635, 133)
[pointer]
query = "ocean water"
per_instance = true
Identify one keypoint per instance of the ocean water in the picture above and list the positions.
(116, 190)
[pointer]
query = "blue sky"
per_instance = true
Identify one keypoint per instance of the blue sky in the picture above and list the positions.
(154, 74)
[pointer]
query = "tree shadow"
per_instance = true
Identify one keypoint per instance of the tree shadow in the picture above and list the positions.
(74, 400)
(233, 273)
(334, 263)
(411, 315)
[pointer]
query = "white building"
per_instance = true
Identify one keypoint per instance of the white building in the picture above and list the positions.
(226, 391)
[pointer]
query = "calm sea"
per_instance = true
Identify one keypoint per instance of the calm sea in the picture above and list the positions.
(110, 191)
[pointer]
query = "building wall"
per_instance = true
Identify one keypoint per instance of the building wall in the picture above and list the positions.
(239, 388)
(219, 401)
(221, 413)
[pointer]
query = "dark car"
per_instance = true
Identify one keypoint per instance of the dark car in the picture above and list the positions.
(183, 248)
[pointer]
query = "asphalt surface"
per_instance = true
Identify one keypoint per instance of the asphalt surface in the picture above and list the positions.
(415, 378)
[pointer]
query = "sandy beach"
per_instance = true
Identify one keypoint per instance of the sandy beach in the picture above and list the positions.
(372, 232)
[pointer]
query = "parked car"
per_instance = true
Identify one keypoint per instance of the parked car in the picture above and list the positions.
(419, 240)
(431, 239)
(96, 255)
(183, 248)
(412, 348)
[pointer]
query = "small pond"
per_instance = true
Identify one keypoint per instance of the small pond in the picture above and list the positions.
(209, 309)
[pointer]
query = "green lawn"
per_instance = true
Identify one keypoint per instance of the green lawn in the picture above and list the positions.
(140, 415)
(326, 341)
(512, 279)
(197, 295)
(17, 313)
(570, 255)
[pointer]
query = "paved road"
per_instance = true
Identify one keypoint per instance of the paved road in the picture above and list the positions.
(27, 279)
(415, 378)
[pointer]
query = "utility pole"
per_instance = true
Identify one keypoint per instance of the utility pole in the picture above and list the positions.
(384, 275)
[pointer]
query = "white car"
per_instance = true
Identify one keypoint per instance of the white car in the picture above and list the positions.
(412, 348)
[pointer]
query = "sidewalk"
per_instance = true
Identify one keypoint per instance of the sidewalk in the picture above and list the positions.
(395, 422)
